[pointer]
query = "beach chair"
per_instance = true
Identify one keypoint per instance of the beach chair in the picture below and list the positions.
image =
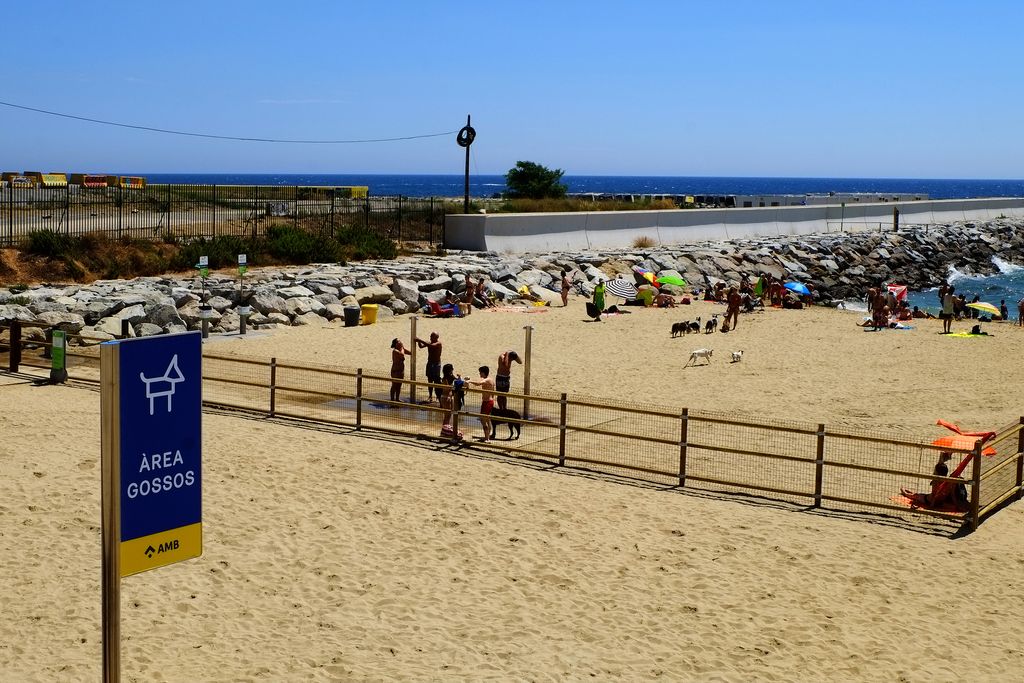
(439, 311)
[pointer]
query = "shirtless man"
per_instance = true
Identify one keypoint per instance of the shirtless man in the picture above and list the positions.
(486, 385)
(398, 354)
(566, 287)
(503, 376)
(433, 363)
(732, 310)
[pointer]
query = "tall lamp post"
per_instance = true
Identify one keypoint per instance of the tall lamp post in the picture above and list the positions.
(465, 139)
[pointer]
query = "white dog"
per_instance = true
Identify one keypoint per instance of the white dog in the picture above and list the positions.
(699, 353)
(737, 356)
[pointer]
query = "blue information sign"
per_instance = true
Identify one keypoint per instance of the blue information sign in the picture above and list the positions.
(160, 396)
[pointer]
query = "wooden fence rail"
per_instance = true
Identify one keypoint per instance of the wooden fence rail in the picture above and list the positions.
(820, 466)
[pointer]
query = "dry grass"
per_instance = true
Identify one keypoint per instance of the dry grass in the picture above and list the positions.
(578, 204)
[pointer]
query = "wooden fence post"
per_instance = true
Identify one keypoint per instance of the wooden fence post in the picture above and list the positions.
(1020, 459)
(819, 465)
(684, 427)
(562, 411)
(359, 398)
(14, 360)
(976, 486)
(273, 386)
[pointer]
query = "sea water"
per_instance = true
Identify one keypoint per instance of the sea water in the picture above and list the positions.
(482, 185)
(1006, 285)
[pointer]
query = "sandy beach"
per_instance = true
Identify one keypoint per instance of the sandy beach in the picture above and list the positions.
(331, 556)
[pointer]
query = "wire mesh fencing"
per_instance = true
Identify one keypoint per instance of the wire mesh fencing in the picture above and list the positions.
(174, 211)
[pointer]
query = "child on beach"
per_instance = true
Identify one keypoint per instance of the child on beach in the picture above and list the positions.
(486, 399)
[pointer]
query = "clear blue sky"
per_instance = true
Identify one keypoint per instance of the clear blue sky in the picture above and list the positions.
(834, 89)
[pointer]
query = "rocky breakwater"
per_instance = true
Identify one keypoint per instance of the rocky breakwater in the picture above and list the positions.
(838, 265)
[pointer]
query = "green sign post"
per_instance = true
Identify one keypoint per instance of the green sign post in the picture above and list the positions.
(58, 362)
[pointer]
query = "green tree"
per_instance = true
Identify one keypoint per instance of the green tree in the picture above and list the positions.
(533, 181)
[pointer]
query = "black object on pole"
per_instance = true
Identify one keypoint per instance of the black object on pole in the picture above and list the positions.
(465, 139)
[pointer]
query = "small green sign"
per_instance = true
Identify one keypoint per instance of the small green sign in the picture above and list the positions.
(57, 350)
(242, 269)
(204, 271)
(58, 358)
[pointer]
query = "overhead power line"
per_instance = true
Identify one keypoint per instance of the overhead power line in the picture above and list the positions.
(224, 137)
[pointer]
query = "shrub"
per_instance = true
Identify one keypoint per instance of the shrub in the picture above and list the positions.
(294, 245)
(643, 242)
(50, 244)
(222, 251)
(360, 243)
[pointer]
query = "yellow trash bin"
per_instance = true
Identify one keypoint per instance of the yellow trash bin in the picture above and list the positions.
(369, 313)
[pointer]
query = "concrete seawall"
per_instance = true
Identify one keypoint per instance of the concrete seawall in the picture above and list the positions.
(533, 232)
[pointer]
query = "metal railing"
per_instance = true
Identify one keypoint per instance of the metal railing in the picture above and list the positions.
(805, 464)
(193, 211)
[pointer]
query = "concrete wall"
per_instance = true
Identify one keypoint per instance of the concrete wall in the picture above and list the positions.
(534, 232)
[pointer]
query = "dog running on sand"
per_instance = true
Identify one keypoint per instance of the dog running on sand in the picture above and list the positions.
(698, 354)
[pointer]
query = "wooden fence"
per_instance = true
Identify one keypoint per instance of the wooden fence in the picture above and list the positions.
(805, 464)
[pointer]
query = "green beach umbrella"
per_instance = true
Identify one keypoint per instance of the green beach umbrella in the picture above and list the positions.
(670, 280)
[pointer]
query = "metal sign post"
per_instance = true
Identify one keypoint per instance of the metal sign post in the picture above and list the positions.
(205, 313)
(243, 310)
(151, 446)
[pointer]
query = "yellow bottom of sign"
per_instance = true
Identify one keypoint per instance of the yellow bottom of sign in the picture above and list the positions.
(159, 550)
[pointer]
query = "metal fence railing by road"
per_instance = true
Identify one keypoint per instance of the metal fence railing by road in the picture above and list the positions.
(806, 464)
(193, 211)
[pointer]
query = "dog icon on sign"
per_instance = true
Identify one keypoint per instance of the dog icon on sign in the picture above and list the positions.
(163, 386)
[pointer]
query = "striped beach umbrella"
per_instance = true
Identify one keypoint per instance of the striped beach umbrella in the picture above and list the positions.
(622, 288)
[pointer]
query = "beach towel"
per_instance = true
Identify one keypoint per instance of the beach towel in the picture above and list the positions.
(965, 335)
(518, 309)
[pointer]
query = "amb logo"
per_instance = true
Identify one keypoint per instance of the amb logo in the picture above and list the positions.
(162, 548)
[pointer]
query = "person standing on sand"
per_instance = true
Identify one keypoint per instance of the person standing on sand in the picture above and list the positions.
(503, 376)
(732, 310)
(1020, 313)
(433, 363)
(467, 296)
(947, 310)
(599, 298)
(486, 400)
(566, 286)
(398, 354)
